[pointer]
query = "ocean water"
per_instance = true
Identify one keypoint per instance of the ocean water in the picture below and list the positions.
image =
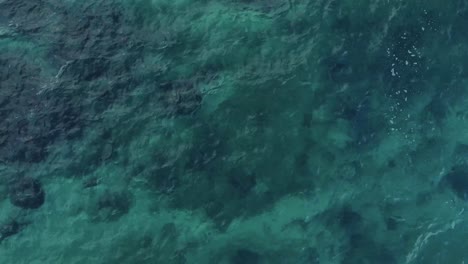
(233, 132)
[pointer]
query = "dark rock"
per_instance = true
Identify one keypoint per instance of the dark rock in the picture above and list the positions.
(339, 67)
(181, 97)
(9, 228)
(26, 134)
(90, 182)
(457, 180)
(363, 249)
(27, 193)
(112, 205)
(29, 17)
(363, 123)
(349, 219)
(214, 208)
(438, 108)
(307, 120)
(87, 69)
(460, 154)
(89, 30)
(245, 256)
(391, 223)
(242, 181)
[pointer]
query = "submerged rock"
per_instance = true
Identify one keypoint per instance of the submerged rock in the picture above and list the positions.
(457, 180)
(245, 256)
(111, 205)
(9, 228)
(27, 193)
(181, 97)
(26, 134)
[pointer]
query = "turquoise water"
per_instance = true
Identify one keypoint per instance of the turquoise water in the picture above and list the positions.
(233, 132)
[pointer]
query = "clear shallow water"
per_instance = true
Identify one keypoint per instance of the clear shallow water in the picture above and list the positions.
(233, 131)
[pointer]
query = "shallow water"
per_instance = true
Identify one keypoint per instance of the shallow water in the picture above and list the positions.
(222, 131)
